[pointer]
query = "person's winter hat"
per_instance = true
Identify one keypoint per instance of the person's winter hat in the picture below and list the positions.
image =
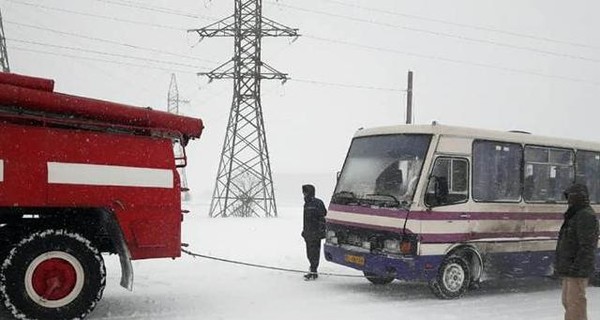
(309, 190)
(577, 194)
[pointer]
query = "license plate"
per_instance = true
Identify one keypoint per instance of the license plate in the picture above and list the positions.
(358, 260)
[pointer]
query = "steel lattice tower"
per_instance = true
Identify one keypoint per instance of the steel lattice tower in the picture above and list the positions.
(173, 107)
(244, 184)
(3, 51)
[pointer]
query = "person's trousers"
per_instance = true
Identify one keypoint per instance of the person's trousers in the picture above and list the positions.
(313, 253)
(573, 298)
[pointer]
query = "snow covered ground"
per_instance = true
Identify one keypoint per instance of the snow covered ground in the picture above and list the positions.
(189, 288)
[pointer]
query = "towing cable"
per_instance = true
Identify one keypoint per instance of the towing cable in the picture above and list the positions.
(197, 255)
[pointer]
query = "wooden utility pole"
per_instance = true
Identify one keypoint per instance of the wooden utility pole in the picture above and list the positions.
(409, 91)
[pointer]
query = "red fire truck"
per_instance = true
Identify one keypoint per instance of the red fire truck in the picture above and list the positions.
(80, 177)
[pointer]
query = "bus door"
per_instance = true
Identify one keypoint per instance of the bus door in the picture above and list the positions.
(447, 196)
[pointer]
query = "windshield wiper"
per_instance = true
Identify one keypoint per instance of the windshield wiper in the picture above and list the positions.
(388, 198)
(345, 197)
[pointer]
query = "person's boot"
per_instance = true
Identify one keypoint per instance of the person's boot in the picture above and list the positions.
(310, 276)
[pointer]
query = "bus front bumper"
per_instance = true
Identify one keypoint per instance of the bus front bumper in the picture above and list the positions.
(409, 268)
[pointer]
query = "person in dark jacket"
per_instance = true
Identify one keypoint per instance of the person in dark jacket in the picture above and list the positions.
(313, 228)
(576, 251)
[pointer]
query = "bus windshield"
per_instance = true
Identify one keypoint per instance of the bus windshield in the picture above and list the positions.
(382, 170)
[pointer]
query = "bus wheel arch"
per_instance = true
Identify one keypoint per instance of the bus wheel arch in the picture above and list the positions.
(473, 258)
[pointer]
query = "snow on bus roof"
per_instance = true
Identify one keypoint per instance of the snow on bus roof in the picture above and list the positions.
(484, 134)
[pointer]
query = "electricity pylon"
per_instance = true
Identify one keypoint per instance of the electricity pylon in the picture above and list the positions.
(244, 184)
(3, 51)
(173, 107)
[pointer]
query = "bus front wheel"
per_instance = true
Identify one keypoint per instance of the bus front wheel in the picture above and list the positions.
(453, 278)
(377, 279)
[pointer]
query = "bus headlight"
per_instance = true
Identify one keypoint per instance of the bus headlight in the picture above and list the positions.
(366, 245)
(398, 246)
(392, 246)
(330, 237)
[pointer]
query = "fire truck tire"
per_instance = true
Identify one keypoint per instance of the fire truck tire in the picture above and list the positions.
(453, 278)
(52, 274)
(377, 279)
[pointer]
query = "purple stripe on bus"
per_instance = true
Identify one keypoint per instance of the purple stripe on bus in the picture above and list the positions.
(383, 212)
(453, 237)
(447, 215)
(367, 226)
(489, 236)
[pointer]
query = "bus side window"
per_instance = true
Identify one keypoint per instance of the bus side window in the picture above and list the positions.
(548, 172)
(496, 171)
(588, 172)
(448, 183)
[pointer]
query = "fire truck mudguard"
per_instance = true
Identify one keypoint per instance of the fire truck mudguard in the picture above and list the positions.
(111, 225)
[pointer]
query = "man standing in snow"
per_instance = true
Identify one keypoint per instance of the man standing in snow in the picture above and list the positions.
(313, 229)
(576, 251)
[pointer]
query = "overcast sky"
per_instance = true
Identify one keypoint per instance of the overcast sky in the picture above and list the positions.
(530, 65)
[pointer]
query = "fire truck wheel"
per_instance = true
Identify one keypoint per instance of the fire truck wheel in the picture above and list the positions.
(52, 274)
(453, 278)
(377, 279)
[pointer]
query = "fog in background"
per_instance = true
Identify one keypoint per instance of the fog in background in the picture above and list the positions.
(528, 65)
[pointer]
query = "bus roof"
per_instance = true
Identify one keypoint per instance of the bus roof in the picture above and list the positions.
(484, 134)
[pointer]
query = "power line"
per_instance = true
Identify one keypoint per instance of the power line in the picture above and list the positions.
(443, 34)
(144, 66)
(107, 41)
(344, 85)
(97, 15)
(469, 26)
(104, 53)
(156, 9)
(308, 81)
(457, 61)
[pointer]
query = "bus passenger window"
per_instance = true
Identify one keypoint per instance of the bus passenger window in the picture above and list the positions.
(548, 172)
(448, 183)
(496, 171)
(587, 166)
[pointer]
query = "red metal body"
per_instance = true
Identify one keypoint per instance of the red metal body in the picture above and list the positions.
(63, 151)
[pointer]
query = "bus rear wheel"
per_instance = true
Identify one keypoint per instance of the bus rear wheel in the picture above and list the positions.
(377, 279)
(453, 278)
(52, 274)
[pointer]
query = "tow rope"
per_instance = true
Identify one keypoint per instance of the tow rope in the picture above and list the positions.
(197, 255)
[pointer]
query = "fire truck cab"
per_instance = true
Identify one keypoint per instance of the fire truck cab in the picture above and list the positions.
(80, 177)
